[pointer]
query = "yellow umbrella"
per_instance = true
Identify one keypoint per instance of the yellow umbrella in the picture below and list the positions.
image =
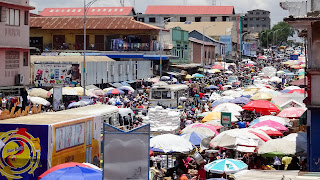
(216, 71)
(212, 116)
(188, 76)
(262, 96)
(303, 65)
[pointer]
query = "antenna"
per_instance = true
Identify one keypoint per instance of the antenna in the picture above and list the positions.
(213, 2)
(122, 3)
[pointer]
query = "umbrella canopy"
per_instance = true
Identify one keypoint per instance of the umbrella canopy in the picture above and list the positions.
(300, 139)
(220, 101)
(227, 166)
(240, 100)
(285, 91)
(270, 91)
(212, 87)
(69, 91)
(262, 96)
(126, 88)
(261, 106)
(275, 79)
(270, 131)
(194, 138)
(292, 112)
(39, 100)
(272, 124)
(98, 92)
(292, 87)
(302, 91)
(114, 91)
(205, 129)
(215, 71)
(214, 96)
(277, 147)
(88, 87)
(212, 116)
(232, 93)
(71, 171)
(108, 89)
(125, 84)
(160, 83)
(198, 75)
(280, 120)
(80, 103)
(38, 92)
(169, 143)
(228, 107)
(228, 72)
(188, 76)
(116, 85)
(217, 67)
(165, 78)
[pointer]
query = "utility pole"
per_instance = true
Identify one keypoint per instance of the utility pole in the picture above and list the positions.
(213, 2)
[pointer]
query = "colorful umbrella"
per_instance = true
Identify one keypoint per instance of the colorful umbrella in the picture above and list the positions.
(227, 166)
(228, 107)
(126, 88)
(240, 100)
(292, 112)
(71, 171)
(216, 71)
(272, 124)
(280, 120)
(212, 87)
(114, 91)
(189, 76)
(205, 129)
(108, 89)
(262, 96)
(302, 91)
(270, 131)
(217, 102)
(194, 138)
(198, 75)
(211, 116)
(261, 106)
(217, 67)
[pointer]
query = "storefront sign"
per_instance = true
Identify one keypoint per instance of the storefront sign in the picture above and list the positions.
(23, 150)
(225, 119)
(126, 154)
(57, 98)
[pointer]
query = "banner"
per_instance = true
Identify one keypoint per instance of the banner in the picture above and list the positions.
(23, 150)
(225, 119)
(57, 98)
(227, 40)
(126, 154)
(53, 74)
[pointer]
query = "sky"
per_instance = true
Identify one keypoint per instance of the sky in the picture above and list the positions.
(241, 6)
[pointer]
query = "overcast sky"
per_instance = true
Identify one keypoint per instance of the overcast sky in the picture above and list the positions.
(241, 6)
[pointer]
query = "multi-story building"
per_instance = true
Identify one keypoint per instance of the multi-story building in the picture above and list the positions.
(155, 15)
(14, 44)
(256, 21)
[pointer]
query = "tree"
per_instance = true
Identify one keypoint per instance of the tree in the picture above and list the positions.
(278, 35)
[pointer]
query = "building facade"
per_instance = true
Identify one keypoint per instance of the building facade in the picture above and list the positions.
(256, 21)
(201, 52)
(14, 44)
(155, 15)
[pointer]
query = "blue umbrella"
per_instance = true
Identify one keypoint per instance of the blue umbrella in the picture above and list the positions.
(114, 91)
(212, 87)
(217, 102)
(227, 166)
(194, 138)
(74, 173)
(246, 96)
(285, 91)
(240, 100)
(125, 84)
(198, 76)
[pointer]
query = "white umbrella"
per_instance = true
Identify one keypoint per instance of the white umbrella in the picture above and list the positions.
(231, 93)
(271, 91)
(300, 139)
(39, 92)
(226, 87)
(67, 91)
(228, 107)
(278, 146)
(292, 87)
(281, 120)
(275, 79)
(108, 89)
(214, 97)
(39, 100)
(201, 128)
(171, 143)
(228, 72)
(227, 97)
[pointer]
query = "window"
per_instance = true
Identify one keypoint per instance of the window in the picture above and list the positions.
(186, 46)
(263, 19)
(152, 19)
(178, 46)
(264, 13)
(245, 25)
(213, 19)
(182, 54)
(167, 19)
(251, 19)
(0, 13)
(258, 25)
(205, 54)
(257, 12)
(245, 19)
(26, 17)
(13, 17)
(264, 25)
(25, 59)
(250, 25)
(183, 19)
(250, 12)
(141, 19)
(197, 19)
(224, 18)
(258, 19)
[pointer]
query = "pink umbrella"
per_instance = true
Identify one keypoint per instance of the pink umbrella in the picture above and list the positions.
(297, 90)
(217, 67)
(211, 127)
(292, 112)
(273, 124)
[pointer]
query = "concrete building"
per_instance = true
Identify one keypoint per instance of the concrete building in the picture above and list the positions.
(309, 27)
(14, 44)
(195, 55)
(256, 21)
(156, 14)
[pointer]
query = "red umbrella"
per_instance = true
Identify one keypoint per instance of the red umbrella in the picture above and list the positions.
(271, 124)
(261, 136)
(261, 106)
(292, 112)
(151, 153)
(302, 91)
(217, 67)
(61, 166)
(249, 65)
(273, 133)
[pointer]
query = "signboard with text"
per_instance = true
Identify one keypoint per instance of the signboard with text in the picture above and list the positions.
(225, 119)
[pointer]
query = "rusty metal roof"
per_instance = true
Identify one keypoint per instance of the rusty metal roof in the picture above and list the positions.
(93, 11)
(101, 23)
(223, 10)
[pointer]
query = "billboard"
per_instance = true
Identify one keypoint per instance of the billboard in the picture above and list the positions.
(225, 119)
(56, 74)
(23, 151)
(126, 154)
(227, 40)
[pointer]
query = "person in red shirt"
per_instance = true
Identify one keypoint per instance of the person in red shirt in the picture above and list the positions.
(201, 95)
(202, 174)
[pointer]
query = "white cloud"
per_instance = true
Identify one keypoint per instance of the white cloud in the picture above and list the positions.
(241, 6)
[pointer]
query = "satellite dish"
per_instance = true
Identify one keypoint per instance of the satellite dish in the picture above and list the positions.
(205, 143)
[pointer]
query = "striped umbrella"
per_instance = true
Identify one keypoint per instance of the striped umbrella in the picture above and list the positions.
(114, 91)
(227, 166)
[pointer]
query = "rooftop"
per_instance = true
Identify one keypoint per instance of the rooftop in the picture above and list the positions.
(98, 23)
(68, 59)
(222, 10)
(217, 29)
(93, 11)
(200, 42)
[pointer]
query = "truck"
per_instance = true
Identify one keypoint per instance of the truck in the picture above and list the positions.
(30, 145)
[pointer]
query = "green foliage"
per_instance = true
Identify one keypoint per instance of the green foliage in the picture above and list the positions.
(278, 35)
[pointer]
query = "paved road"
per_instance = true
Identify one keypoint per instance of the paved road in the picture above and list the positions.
(272, 175)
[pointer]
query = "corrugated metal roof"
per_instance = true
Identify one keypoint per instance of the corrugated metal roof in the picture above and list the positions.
(201, 42)
(223, 10)
(93, 11)
(70, 59)
(102, 23)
